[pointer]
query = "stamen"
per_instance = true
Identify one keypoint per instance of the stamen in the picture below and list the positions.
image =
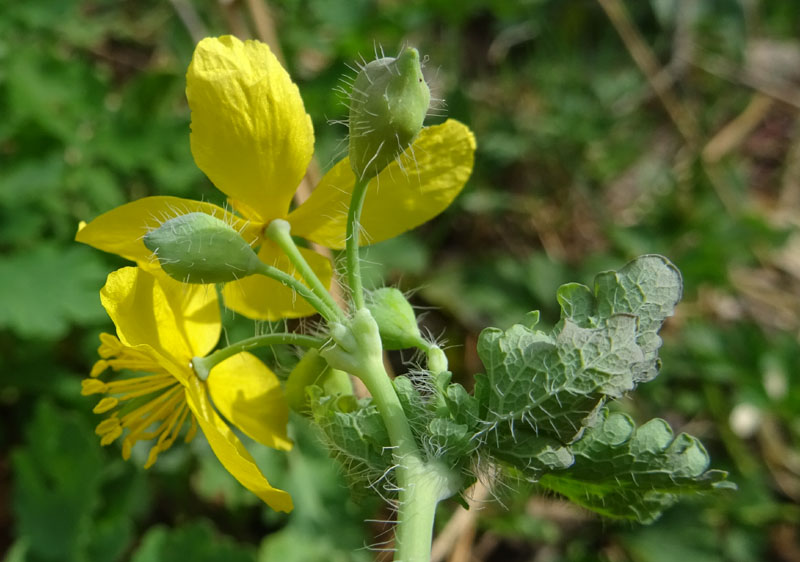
(153, 400)
(133, 419)
(106, 404)
(140, 386)
(106, 425)
(92, 386)
(192, 431)
(111, 436)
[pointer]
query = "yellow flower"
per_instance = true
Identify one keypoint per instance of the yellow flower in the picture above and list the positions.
(161, 324)
(253, 139)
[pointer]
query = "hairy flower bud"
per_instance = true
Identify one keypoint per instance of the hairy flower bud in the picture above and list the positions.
(396, 320)
(199, 248)
(387, 107)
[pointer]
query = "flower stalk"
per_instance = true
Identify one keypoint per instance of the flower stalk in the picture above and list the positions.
(202, 365)
(353, 240)
(279, 231)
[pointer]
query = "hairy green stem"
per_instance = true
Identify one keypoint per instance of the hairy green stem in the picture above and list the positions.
(421, 484)
(279, 231)
(305, 292)
(203, 365)
(352, 241)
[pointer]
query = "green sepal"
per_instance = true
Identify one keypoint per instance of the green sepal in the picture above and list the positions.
(395, 317)
(199, 248)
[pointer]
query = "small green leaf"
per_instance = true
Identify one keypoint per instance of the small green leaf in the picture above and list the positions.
(356, 436)
(628, 473)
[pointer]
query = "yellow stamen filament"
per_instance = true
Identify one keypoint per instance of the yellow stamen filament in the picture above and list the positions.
(192, 431)
(133, 388)
(166, 432)
(163, 408)
(166, 410)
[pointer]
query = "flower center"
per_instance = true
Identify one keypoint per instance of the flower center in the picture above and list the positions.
(144, 407)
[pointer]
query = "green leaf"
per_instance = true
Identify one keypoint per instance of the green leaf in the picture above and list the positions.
(628, 473)
(648, 288)
(552, 385)
(355, 433)
(56, 484)
(47, 289)
(298, 545)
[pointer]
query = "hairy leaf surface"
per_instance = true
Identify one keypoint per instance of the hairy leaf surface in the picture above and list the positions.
(634, 473)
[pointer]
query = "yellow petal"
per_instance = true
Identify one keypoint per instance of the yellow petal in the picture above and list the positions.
(407, 193)
(250, 132)
(177, 321)
(230, 451)
(262, 298)
(249, 396)
(121, 230)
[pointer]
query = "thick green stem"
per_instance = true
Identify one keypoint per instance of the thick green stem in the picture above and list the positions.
(422, 484)
(422, 487)
(308, 294)
(352, 242)
(279, 231)
(203, 365)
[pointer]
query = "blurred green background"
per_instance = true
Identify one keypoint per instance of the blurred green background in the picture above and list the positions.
(605, 130)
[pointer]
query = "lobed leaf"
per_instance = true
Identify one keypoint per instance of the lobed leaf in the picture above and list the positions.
(625, 472)
(355, 432)
(606, 342)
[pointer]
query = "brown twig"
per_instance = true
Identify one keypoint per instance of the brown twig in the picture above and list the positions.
(648, 63)
(190, 19)
(737, 130)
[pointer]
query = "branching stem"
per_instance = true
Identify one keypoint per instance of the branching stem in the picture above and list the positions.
(279, 231)
(308, 294)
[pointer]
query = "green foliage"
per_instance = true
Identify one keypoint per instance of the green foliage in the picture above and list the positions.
(195, 541)
(355, 433)
(634, 473)
(59, 500)
(553, 384)
(539, 407)
(34, 305)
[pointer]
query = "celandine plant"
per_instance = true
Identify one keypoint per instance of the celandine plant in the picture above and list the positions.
(537, 413)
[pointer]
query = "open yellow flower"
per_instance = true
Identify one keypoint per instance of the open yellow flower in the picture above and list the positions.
(253, 139)
(161, 324)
